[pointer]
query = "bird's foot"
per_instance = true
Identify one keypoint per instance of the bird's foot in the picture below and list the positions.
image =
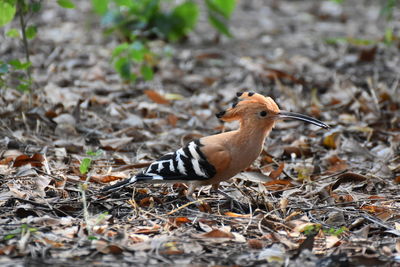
(233, 202)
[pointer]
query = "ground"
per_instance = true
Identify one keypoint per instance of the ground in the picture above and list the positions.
(314, 197)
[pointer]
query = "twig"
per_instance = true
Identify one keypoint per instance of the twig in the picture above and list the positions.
(134, 205)
(343, 203)
(24, 38)
(378, 222)
(187, 204)
(43, 206)
(251, 217)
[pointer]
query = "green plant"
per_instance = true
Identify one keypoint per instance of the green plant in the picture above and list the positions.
(311, 229)
(84, 168)
(20, 232)
(22, 10)
(219, 14)
(86, 163)
(138, 23)
(388, 36)
(335, 232)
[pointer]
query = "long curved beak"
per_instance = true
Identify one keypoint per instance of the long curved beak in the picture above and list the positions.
(297, 116)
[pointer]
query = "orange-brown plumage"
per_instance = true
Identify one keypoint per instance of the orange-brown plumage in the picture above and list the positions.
(219, 157)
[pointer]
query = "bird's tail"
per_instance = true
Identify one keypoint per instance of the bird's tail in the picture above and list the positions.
(120, 184)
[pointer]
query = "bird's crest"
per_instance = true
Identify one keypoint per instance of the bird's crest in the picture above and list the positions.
(246, 102)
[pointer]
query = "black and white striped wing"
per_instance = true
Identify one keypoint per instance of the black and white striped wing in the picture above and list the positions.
(188, 162)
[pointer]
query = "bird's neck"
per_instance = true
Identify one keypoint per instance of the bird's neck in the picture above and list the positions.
(248, 142)
(252, 134)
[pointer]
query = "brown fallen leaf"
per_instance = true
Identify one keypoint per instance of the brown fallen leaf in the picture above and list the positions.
(276, 173)
(374, 209)
(115, 143)
(108, 178)
(216, 233)
(138, 238)
(36, 160)
(273, 74)
(331, 140)
(178, 221)
(342, 198)
(336, 164)
(209, 55)
(156, 97)
(348, 177)
(204, 207)
(278, 185)
(233, 214)
(172, 120)
(367, 54)
(7, 250)
(6, 161)
(106, 248)
(149, 201)
(149, 230)
(52, 243)
(255, 244)
(170, 248)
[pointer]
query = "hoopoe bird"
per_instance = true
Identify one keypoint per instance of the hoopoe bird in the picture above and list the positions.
(216, 158)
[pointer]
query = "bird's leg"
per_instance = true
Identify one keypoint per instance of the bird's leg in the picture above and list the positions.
(189, 193)
(202, 206)
(233, 201)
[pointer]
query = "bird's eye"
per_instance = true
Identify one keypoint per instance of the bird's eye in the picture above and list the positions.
(263, 113)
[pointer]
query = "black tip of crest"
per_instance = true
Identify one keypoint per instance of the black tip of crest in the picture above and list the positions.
(238, 94)
(235, 102)
(220, 114)
(251, 93)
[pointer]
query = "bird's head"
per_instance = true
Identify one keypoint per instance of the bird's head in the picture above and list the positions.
(261, 110)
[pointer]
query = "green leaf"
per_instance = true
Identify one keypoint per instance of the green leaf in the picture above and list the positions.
(388, 36)
(146, 72)
(8, 237)
(32, 229)
(219, 12)
(26, 65)
(123, 67)
(18, 65)
(188, 12)
(3, 68)
(31, 32)
(100, 6)
(119, 49)
(387, 9)
(7, 12)
(36, 7)
(13, 33)
(137, 51)
(127, 3)
(24, 87)
(219, 25)
(15, 63)
(221, 7)
(94, 153)
(132, 77)
(66, 3)
(85, 165)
